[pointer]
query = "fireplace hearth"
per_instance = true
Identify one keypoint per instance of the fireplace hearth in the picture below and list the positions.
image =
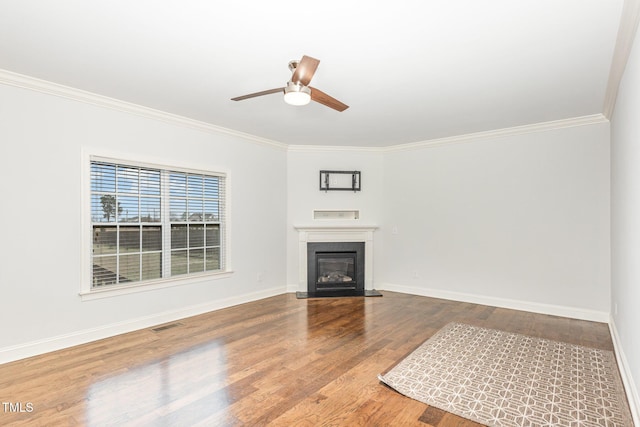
(335, 269)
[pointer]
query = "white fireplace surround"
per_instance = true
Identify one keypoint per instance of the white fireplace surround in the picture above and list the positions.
(335, 233)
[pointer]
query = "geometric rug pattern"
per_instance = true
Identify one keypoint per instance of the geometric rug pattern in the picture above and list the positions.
(501, 378)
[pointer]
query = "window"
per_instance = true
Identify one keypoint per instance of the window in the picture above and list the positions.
(152, 223)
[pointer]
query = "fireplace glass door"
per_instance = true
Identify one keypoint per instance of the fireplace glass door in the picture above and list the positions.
(336, 270)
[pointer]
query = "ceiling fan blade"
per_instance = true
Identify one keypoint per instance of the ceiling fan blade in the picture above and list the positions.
(253, 95)
(324, 99)
(305, 70)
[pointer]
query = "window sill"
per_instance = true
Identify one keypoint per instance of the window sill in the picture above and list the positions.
(113, 291)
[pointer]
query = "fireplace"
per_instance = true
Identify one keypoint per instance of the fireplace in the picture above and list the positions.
(335, 269)
(335, 238)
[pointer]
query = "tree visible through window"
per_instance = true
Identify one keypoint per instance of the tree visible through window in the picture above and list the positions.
(149, 224)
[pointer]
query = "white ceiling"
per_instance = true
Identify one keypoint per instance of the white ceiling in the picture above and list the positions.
(410, 71)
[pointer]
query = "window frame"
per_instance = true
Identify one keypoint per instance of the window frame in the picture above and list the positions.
(89, 292)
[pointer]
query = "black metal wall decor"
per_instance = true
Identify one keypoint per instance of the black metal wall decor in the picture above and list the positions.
(339, 181)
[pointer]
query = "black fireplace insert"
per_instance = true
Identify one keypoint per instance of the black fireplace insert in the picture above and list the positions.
(335, 269)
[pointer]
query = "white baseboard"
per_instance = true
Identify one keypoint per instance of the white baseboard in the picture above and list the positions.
(554, 310)
(21, 351)
(625, 372)
(34, 348)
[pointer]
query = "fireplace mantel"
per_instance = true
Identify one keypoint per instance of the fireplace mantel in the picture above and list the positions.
(342, 232)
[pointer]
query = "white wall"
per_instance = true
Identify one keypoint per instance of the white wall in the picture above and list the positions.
(625, 223)
(303, 169)
(42, 140)
(519, 221)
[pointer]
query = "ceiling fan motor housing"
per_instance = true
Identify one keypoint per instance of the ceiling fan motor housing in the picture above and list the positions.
(293, 65)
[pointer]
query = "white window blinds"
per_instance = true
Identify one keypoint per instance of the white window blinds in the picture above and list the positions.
(154, 223)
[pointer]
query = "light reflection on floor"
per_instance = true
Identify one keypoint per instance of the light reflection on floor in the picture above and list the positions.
(163, 392)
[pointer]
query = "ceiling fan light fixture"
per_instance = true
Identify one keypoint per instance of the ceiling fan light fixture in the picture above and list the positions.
(296, 94)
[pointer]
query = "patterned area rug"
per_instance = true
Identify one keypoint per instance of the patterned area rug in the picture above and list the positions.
(503, 379)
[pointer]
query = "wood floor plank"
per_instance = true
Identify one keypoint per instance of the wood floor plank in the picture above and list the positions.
(277, 361)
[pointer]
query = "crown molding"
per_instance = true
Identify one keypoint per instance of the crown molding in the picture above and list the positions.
(333, 149)
(498, 133)
(43, 86)
(626, 34)
(512, 131)
(26, 82)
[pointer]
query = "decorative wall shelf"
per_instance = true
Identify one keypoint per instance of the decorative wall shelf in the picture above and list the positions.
(339, 180)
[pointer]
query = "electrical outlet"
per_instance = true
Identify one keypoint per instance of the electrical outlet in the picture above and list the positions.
(414, 274)
(259, 277)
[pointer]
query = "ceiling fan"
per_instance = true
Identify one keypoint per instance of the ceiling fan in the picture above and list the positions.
(297, 91)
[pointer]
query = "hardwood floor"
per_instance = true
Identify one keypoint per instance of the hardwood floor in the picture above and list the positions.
(278, 361)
